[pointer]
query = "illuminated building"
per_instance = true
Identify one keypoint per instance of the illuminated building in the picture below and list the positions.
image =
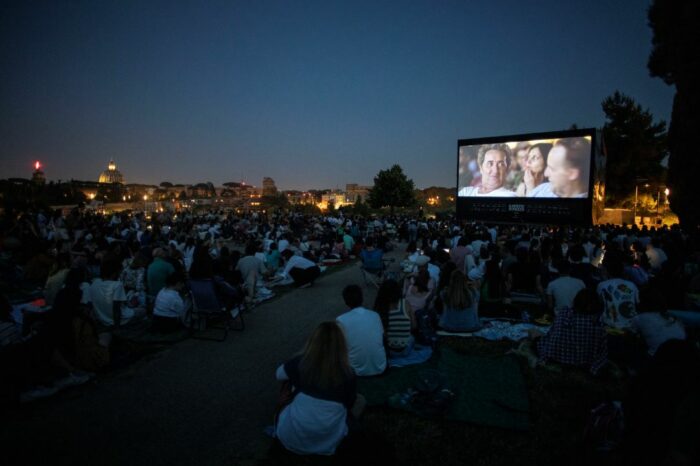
(38, 175)
(268, 187)
(111, 175)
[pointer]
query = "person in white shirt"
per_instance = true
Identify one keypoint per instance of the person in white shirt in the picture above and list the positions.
(364, 334)
(654, 323)
(656, 255)
(170, 310)
(107, 296)
(562, 291)
(300, 269)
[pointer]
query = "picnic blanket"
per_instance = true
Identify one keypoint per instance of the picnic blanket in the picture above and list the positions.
(489, 391)
(499, 330)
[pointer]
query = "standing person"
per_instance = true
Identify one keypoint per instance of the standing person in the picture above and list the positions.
(364, 334)
(300, 269)
(325, 399)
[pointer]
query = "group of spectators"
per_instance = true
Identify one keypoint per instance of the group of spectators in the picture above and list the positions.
(608, 293)
(612, 299)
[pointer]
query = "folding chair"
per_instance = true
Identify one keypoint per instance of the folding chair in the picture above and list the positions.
(372, 266)
(206, 306)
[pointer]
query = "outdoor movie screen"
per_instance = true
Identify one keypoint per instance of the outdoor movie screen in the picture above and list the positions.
(538, 177)
(553, 167)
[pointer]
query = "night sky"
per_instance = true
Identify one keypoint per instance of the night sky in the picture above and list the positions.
(314, 94)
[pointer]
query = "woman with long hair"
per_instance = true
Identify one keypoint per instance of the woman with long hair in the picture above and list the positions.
(460, 313)
(535, 166)
(397, 317)
(324, 394)
(419, 288)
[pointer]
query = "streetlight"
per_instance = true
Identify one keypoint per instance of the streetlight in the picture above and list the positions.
(145, 206)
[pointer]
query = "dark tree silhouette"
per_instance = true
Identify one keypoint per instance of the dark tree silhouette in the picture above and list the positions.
(391, 189)
(675, 58)
(635, 145)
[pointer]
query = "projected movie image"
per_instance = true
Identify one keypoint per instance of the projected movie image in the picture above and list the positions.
(539, 168)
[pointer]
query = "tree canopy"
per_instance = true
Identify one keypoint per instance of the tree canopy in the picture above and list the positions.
(675, 58)
(391, 189)
(635, 145)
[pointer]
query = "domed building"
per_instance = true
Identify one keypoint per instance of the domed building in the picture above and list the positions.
(111, 175)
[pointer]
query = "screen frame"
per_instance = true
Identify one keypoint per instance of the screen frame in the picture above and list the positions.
(576, 211)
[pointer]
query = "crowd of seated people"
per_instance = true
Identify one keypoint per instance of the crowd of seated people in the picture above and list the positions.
(102, 274)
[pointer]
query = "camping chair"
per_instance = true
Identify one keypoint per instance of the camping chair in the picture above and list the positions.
(206, 306)
(373, 266)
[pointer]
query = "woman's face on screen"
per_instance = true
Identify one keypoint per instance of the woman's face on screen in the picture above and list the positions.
(535, 160)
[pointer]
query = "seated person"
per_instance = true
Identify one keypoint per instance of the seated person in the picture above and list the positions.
(460, 305)
(562, 291)
(325, 396)
(576, 337)
(397, 318)
(108, 297)
(251, 269)
(300, 269)
(620, 297)
(364, 334)
(371, 257)
(418, 288)
(170, 310)
(654, 323)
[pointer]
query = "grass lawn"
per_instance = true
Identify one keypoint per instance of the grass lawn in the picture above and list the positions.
(560, 402)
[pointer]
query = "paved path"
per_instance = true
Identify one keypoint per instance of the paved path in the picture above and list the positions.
(197, 402)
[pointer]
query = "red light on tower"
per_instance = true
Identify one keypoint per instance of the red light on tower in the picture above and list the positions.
(37, 165)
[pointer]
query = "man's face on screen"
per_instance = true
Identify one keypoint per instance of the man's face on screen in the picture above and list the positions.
(560, 175)
(493, 170)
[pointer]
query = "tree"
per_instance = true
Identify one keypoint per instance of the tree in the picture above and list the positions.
(391, 188)
(166, 184)
(635, 145)
(675, 58)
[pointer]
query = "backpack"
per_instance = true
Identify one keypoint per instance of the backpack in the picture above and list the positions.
(425, 328)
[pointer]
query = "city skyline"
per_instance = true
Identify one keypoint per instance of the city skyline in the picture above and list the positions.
(314, 94)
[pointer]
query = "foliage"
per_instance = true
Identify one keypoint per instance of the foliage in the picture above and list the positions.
(166, 184)
(275, 201)
(635, 145)
(391, 189)
(675, 58)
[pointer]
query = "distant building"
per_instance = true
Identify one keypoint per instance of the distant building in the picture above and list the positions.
(354, 191)
(268, 187)
(332, 200)
(38, 175)
(111, 175)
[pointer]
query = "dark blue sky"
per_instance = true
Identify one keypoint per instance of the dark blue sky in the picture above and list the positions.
(314, 94)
